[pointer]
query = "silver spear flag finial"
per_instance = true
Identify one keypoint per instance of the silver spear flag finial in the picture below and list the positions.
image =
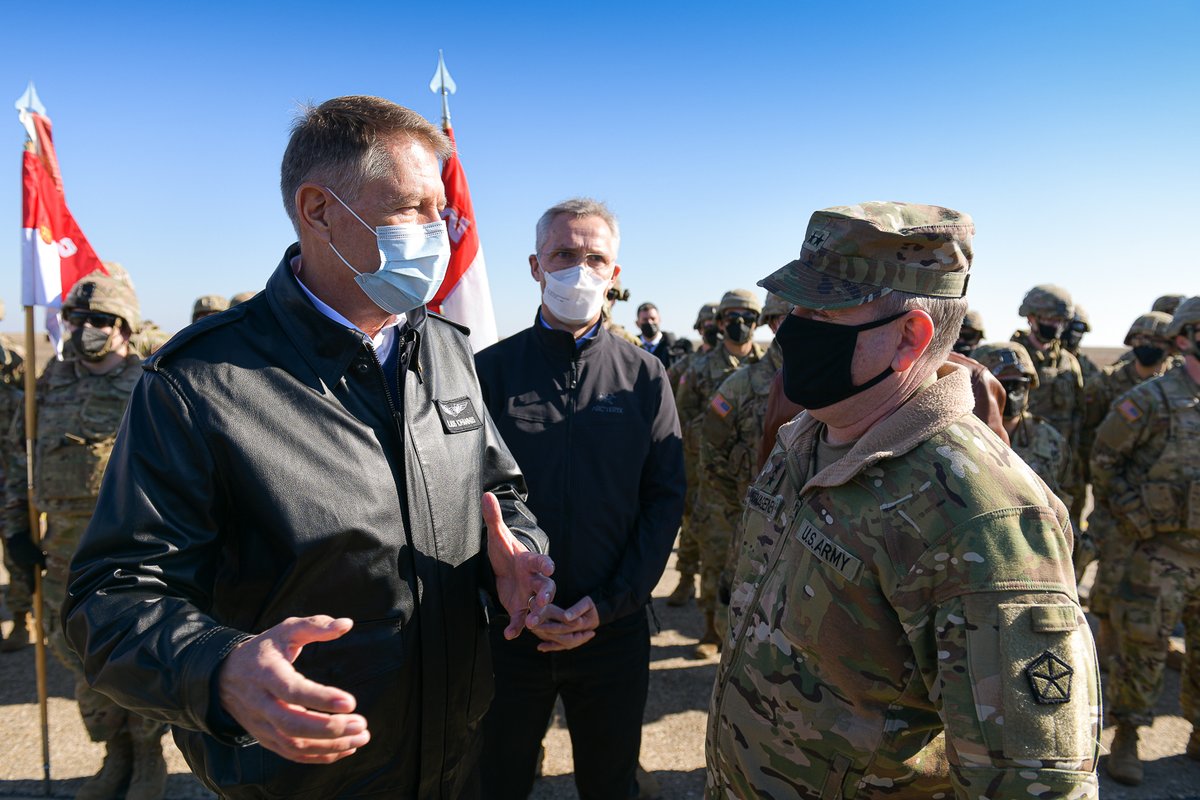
(443, 84)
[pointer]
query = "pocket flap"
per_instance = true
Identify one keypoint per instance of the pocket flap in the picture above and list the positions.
(1054, 619)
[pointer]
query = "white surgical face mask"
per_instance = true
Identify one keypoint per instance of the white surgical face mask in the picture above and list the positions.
(574, 295)
(412, 263)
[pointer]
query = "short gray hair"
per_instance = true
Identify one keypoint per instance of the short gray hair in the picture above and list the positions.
(577, 208)
(946, 312)
(340, 144)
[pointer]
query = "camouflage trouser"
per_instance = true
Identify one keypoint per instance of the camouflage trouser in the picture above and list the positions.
(712, 534)
(687, 559)
(1116, 547)
(1161, 586)
(18, 594)
(102, 718)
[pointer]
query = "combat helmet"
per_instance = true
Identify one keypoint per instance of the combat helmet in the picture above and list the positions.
(775, 306)
(208, 304)
(1047, 300)
(1187, 315)
(107, 295)
(1152, 324)
(707, 313)
(1006, 359)
(240, 297)
(739, 298)
(974, 321)
(1168, 303)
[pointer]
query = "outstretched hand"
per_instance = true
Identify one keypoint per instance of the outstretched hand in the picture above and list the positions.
(299, 719)
(522, 578)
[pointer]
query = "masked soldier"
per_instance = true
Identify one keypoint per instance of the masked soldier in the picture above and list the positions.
(1032, 438)
(81, 401)
(710, 337)
(18, 593)
(729, 437)
(971, 333)
(1144, 462)
(1093, 414)
(208, 304)
(737, 317)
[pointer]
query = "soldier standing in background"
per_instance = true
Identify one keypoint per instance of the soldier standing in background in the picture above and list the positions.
(737, 317)
(1145, 459)
(710, 337)
(80, 403)
(18, 596)
(240, 297)
(1093, 413)
(1167, 303)
(1151, 350)
(730, 432)
(903, 615)
(1032, 438)
(971, 333)
(208, 304)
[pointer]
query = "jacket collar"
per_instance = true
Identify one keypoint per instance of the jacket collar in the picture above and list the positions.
(563, 344)
(326, 346)
(930, 411)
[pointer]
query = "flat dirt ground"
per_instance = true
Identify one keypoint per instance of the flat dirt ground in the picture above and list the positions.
(672, 738)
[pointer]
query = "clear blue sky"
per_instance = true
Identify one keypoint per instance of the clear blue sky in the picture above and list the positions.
(713, 130)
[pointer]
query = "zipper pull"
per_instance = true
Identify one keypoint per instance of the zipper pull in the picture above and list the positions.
(574, 383)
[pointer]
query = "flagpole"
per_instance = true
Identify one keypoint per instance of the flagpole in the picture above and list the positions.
(443, 84)
(35, 533)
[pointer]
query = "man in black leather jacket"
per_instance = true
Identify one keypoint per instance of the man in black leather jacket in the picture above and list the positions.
(289, 544)
(591, 419)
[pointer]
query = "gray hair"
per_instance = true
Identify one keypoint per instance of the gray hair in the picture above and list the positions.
(946, 312)
(341, 144)
(577, 208)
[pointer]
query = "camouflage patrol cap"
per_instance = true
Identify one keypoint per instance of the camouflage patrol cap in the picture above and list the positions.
(107, 295)
(1168, 303)
(1047, 300)
(974, 321)
(240, 297)
(208, 304)
(1187, 314)
(1007, 359)
(740, 298)
(855, 254)
(775, 306)
(1152, 324)
(707, 313)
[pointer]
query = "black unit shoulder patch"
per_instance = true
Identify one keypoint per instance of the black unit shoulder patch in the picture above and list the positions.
(1050, 679)
(458, 416)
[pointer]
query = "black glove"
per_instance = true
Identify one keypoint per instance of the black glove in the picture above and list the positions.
(25, 554)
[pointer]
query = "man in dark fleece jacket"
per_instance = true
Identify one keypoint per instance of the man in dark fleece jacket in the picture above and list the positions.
(591, 421)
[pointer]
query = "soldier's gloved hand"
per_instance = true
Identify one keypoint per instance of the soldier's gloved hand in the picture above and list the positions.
(25, 554)
(724, 587)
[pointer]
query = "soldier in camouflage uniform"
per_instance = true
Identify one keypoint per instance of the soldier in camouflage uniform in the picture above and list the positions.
(730, 433)
(1093, 414)
(208, 304)
(710, 337)
(617, 294)
(904, 622)
(18, 593)
(1147, 336)
(240, 297)
(80, 402)
(1167, 303)
(1145, 460)
(737, 317)
(1032, 438)
(970, 335)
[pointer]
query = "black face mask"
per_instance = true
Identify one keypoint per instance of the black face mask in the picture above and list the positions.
(964, 346)
(711, 335)
(90, 343)
(1148, 355)
(1016, 398)
(738, 331)
(649, 329)
(1048, 333)
(1071, 340)
(817, 357)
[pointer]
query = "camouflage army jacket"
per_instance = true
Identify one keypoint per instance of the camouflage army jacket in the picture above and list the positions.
(78, 416)
(1059, 398)
(697, 384)
(1119, 378)
(730, 434)
(1144, 460)
(920, 585)
(1047, 452)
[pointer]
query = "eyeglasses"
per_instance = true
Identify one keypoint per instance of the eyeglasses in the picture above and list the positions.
(96, 319)
(748, 317)
(564, 259)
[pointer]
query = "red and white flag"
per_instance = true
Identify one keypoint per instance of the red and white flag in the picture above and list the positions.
(464, 295)
(54, 251)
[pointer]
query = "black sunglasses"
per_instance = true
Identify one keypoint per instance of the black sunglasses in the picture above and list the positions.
(96, 319)
(748, 317)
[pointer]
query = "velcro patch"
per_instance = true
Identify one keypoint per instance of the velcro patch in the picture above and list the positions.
(458, 416)
(832, 554)
(1129, 410)
(765, 504)
(720, 405)
(1050, 679)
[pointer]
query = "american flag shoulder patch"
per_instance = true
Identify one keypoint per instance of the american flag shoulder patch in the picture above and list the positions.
(720, 405)
(1129, 410)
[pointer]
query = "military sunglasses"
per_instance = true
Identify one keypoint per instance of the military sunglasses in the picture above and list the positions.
(96, 319)
(748, 317)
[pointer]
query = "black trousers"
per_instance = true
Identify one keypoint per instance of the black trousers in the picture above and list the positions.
(603, 687)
